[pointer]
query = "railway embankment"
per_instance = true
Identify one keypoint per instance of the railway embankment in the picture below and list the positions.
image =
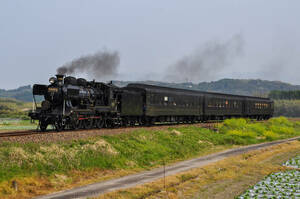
(235, 176)
(42, 167)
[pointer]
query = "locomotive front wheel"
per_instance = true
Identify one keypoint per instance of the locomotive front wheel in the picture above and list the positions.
(43, 126)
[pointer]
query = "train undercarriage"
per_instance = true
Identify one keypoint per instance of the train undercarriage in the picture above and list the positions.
(81, 121)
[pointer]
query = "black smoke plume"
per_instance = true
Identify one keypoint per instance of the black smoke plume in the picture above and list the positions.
(206, 62)
(101, 65)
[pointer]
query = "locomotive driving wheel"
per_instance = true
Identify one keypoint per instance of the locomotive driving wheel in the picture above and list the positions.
(88, 123)
(109, 123)
(80, 124)
(74, 122)
(99, 123)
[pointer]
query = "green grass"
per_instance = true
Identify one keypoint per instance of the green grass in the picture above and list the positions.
(275, 128)
(139, 149)
(16, 124)
(12, 108)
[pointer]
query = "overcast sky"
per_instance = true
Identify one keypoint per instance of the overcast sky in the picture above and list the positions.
(37, 37)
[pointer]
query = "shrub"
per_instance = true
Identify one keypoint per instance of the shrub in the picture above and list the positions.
(270, 135)
(297, 124)
(242, 133)
(282, 121)
(282, 129)
(244, 128)
(235, 123)
(258, 128)
(232, 124)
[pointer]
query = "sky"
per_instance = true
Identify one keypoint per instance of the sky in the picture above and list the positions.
(155, 40)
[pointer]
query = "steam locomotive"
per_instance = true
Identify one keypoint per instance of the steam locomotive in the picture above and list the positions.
(71, 103)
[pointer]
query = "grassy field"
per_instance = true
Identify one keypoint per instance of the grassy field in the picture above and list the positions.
(14, 115)
(11, 108)
(16, 124)
(225, 179)
(64, 164)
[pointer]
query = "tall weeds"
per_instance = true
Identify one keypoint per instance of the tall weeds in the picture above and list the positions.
(138, 149)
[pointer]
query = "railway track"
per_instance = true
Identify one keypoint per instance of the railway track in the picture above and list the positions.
(19, 133)
(208, 124)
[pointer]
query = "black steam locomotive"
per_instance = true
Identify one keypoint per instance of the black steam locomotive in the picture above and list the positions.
(79, 104)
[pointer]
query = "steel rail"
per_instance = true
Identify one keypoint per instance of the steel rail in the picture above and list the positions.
(207, 124)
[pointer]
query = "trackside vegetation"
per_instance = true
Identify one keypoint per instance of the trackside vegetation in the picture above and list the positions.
(16, 124)
(12, 108)
(138, 150)
(225, 179)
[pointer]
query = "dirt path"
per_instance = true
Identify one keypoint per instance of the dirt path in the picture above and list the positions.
(144, 177)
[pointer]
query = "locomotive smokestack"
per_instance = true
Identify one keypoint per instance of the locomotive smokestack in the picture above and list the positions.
(60, 78)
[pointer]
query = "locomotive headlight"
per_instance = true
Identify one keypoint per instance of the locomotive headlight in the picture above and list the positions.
(52, 80)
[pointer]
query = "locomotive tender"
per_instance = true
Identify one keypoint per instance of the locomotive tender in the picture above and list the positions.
(79, 104)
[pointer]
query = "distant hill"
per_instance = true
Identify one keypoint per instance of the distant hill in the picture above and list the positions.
(23, 93)
(255, 87)
(12, 108)
(246, 87)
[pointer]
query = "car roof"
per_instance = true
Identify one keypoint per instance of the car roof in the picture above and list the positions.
(158, 88)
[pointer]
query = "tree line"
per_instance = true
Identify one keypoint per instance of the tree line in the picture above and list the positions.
(287, 103)
(288, 108)
(285, 95)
